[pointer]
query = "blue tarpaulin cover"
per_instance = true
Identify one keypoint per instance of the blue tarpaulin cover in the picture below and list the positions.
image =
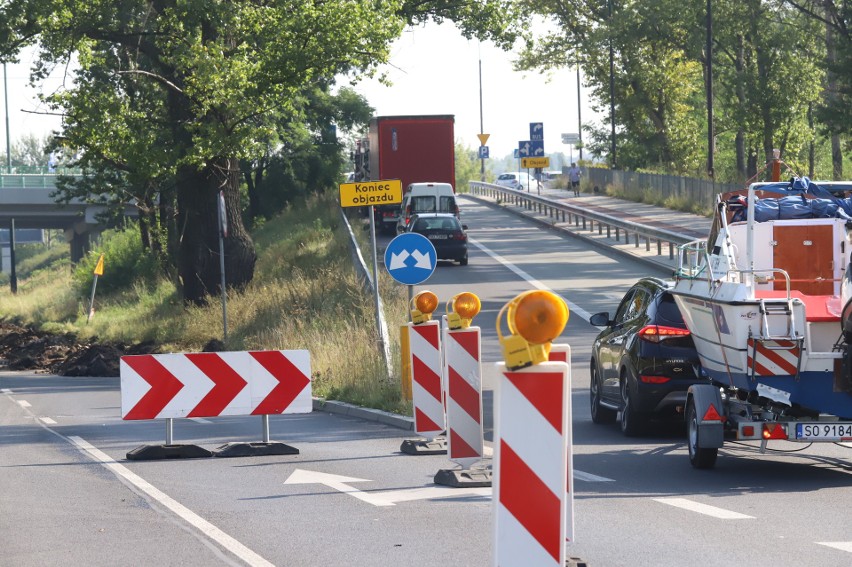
(820, 203)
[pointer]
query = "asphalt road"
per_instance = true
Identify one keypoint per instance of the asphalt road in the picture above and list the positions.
(68, 496)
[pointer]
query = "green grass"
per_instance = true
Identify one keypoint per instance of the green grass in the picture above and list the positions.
(305, 295)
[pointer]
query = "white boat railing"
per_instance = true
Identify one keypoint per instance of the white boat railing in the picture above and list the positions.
(693, 262)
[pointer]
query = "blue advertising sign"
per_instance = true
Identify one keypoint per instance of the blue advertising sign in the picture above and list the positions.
(530, 148)
(537, 131)
(410, 258)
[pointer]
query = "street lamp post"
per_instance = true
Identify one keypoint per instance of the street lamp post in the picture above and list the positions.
(614, 162)
(8, 143)
(710, 131)
(481, 123)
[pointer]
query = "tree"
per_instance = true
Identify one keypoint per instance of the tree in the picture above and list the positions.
(30, 151)
(174, 87)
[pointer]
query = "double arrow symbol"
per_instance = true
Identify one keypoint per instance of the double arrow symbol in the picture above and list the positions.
(421, 260)
(212, 384)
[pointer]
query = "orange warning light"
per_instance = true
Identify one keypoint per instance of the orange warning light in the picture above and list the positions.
(422, 306)
(535, 318)
(461, 310)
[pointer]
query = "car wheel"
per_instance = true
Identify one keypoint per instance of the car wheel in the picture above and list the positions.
(463, 261)
(632, 422)
(701, 458)
(600, 414)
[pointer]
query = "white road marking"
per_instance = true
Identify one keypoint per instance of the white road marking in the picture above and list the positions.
(841, 545)
(24, 403)
(589, 477)
(384, 498)
(187, 515)
(705, 509)
(200, 420)
(47, 421)
(6, 391)
(575, 309)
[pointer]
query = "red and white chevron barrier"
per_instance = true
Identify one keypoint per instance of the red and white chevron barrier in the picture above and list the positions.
(427, 393)
(210, 384)
(463, 371)
(531, 441)
(562, 353)
(773, 358)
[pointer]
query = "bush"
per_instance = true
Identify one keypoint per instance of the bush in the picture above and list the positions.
(126, 263)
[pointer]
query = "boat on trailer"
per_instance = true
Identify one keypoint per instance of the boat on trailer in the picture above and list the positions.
(768, 300)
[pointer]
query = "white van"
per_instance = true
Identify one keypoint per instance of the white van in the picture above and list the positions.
(426, 198)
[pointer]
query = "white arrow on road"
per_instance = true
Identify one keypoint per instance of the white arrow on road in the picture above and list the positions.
(385, 498)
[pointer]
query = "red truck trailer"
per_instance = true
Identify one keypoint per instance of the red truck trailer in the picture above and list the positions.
(413, 149)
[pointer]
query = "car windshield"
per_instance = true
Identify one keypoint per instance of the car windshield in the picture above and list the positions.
(506, 176)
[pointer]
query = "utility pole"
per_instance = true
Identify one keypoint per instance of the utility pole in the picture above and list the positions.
(8, 139)
(481, 123)
(613, 161)
(579, 113)
(711, 135)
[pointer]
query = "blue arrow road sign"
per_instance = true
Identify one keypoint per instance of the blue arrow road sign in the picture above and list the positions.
(410, 258)
(530, 148)
(537, 131)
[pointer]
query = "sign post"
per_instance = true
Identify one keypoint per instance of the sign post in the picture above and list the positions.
(223, 233)
(371, 193)
(99, 271)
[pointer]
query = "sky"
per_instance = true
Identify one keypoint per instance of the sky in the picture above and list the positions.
(434, 70)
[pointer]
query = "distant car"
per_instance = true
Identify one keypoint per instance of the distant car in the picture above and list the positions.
(445, 232)
(644, 359)
(515, 180)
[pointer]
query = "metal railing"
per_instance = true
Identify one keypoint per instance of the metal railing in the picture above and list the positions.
(586, 220)
(694, 190)
(33, 181)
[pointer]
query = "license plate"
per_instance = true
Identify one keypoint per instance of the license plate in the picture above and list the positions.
(832, 431)
(437, 237)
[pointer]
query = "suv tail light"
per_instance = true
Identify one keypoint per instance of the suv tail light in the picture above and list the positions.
(458, 236)
(659, 333)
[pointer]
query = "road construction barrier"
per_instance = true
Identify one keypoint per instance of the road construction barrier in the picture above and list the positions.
(424, 343)
(212, 384)
(562, 353)
(463, 377)
(531, 457)
(531, 435)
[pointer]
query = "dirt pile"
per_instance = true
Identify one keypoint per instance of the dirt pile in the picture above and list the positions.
(65, 355)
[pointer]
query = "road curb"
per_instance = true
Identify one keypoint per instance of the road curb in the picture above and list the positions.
(367, 414)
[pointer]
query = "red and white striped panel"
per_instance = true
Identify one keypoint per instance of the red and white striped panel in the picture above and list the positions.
(562, 353)
(463, 372)
(774, 358)
(531, 465)
(424, 342)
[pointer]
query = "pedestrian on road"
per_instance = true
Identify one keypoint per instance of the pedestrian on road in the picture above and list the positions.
(574, 177)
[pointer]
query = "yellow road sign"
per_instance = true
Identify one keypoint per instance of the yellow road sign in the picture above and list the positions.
(387, 192)
(483, 138)
(99, 268)
(535, 162)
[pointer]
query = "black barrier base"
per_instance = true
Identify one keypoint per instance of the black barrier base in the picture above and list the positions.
(254, 450)
(575, 562)
(160, 452)
(463, 478)
(437, 446)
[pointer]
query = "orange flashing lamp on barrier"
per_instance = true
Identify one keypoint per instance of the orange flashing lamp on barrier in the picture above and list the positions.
(465, 306)
(534, 319)
(422, 306)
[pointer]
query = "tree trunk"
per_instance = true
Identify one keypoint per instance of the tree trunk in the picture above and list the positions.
(831, 97)
(198, 257)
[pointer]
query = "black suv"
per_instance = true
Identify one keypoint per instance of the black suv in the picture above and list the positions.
(643, 361)
(445, 232)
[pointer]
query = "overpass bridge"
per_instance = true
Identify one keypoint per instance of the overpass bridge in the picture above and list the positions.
(25, 202)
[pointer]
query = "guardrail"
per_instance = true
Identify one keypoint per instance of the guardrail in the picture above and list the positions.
(585, 220)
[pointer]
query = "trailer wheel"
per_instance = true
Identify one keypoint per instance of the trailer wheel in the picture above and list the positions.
(701, 458)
